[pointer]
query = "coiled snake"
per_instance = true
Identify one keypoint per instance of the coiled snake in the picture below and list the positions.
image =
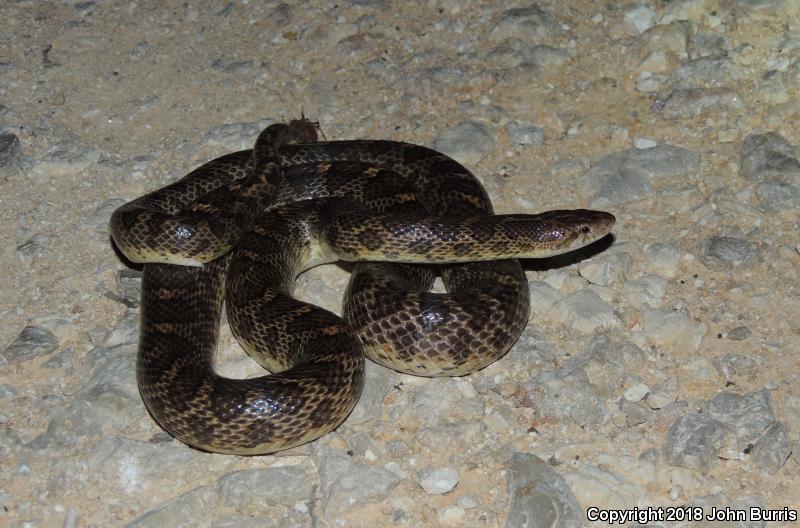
(245, 225)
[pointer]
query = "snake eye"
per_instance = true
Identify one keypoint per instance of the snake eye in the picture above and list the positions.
(585, 229)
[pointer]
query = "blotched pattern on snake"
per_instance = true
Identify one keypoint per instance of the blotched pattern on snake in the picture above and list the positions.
(240, 229)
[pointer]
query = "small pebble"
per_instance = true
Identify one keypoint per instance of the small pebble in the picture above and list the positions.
(772, 450)
(467, 502)
(769, 153)
(584, 311)
(693, 441)
(670, 328)
(440, 481)
(740, 333)
(596, 271)
(644, 143)
(660, 399)
(33, 341)
(737, 366)
(640, 18)
(468, 142)
(663, 259)
(636, 392)
(451, 515)
(346, 483)
(747, 415)
(524, 135)
(722, 252)
(539, 495)
(10, 150)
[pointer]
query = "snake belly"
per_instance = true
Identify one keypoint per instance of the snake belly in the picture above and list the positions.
(355, 200)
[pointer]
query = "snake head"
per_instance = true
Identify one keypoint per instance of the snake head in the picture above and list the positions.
(567, 230)
(304, 130)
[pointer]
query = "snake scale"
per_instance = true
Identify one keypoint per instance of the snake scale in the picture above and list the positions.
(239, 229)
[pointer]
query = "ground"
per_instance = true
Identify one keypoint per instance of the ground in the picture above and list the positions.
(660, 372)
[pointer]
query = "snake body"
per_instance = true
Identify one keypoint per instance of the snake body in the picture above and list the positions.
(245, 225)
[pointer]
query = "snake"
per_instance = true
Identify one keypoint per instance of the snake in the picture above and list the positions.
(238, 230)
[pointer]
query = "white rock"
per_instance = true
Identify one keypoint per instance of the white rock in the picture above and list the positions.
(663, 259)
(659, 400)
(596, 271)
(656, 62)
(440, 481)
(651, 84)
(648, 290)
(640, 18)
(664, 394)
(636, 393)
(728, 452)
(543, 296)
(644, 143)
(395, 468)
(672, 329)
(468, 142)
(451, 515)
(467, 502)
(604, 292)
(466, 389)
(599, 487)
(557, 279)
(584, 311)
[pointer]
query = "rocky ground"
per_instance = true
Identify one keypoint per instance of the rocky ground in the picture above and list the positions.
(660, 372)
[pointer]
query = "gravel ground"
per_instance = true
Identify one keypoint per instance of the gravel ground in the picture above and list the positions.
(660, 372)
